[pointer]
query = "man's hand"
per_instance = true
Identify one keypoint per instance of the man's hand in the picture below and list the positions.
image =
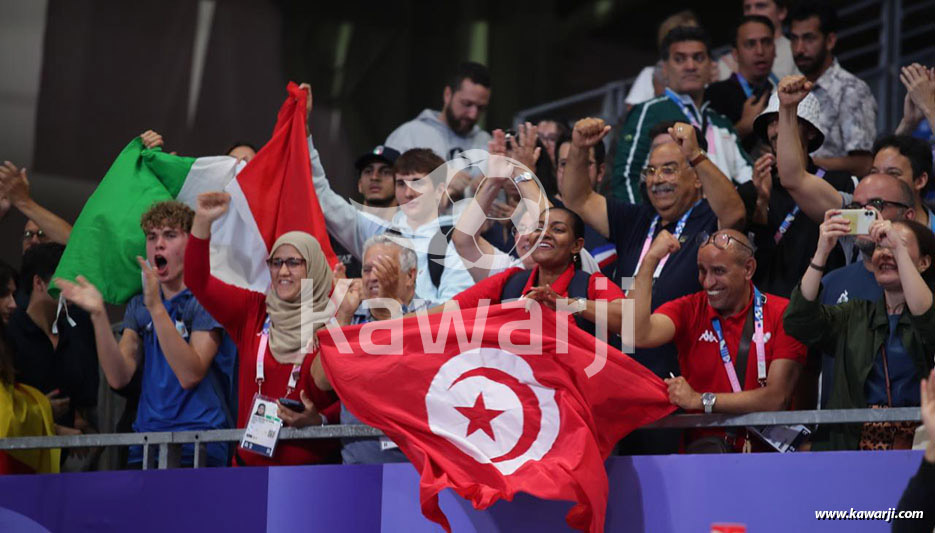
(684, 136)
(151, 139)
(350, 302)
(683, 395)
(308, 100)
(82, 293)
(387, 275)
(309, 417)
(792, 90)
(60, 404)
(664, 244)
(920, 85)
(752, 107)
(151, 297)
(14, 184)
(588, 132)
(763, 176)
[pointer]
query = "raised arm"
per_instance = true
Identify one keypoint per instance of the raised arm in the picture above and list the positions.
(14, 185)
(118, 361)
(920, 97)
(575, 187)
(651, 329)
(718, 189)
(813, 195)
(223, 301)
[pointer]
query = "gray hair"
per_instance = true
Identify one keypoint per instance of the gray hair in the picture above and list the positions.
(407, 256)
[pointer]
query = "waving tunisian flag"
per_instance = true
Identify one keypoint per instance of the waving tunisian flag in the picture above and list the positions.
(495, 400)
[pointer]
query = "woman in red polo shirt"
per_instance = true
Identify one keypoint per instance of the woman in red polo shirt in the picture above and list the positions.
(557, 274)
(268, 326)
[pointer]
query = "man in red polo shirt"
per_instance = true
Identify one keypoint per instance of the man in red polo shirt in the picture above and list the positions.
(708, 328)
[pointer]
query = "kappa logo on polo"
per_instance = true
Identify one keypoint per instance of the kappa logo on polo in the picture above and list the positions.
(707, 336)
(843, 298)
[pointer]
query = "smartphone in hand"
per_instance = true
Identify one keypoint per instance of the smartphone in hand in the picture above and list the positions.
(292, 405)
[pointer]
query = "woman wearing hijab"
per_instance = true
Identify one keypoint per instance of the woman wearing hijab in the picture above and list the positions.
(267, 330)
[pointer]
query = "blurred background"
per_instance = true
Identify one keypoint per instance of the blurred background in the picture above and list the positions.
(80, 78)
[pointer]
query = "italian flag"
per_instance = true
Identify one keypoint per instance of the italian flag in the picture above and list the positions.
(270, 195)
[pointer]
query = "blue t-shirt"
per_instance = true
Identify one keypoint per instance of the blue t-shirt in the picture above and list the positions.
(164, 404)
(852, 282)
(903, 375)
(629, 226)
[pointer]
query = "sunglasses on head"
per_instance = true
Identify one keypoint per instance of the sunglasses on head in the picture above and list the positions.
(722, 241)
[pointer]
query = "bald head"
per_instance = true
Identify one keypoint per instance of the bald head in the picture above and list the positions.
(890, 189)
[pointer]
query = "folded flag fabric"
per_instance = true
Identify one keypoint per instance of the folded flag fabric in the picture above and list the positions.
(486, 406)
(272, 194)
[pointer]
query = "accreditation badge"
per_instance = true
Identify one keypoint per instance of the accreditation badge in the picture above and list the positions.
(263, 427)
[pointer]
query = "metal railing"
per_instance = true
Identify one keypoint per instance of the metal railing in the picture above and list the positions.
(167, 446)
(881, 22)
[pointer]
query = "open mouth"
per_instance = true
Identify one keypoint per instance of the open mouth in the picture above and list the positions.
(887, 267)
(546, 245)
(161, 264)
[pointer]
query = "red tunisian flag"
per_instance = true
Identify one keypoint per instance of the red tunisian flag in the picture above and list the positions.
(498, 405)
(272, 195)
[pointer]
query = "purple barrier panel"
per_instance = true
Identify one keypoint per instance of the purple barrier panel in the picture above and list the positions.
(402, 511)
(324, 498)
(767, 492)
(211, 499)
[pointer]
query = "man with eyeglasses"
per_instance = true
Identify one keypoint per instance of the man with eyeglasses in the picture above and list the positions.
(793, 193)
(677, 173)
(687, 65)
(734, 354)
(42, 225)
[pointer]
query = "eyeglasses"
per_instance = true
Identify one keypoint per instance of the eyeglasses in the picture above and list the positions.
(668, 171)
(877, 203)
(291, 262)
(722, 240)
(29, 234)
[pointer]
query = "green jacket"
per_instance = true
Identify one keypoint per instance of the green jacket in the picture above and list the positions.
(854, 332)
(633, 143)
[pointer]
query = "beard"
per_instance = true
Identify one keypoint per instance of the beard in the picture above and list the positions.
(810, 66)
(456, 124)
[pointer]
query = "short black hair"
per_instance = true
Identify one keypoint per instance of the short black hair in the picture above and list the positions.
(40, 260)
(663, 127)
(826, 13)
(469, 70)
(681, 34)
(915, 150)
(238, 144)
(760, 19)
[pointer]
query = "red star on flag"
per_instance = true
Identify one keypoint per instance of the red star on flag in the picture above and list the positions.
(479, 416)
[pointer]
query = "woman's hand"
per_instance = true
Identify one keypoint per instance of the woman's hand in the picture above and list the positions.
(833, 228)
(211, 206)
(308, 417)
(883, 233)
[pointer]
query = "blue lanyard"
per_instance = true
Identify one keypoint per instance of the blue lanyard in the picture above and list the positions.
(758, 301)
(687, 110)
(787, 221)
(747, 88)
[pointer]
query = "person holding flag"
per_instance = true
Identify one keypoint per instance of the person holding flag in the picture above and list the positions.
(267, 328)
(714, 330)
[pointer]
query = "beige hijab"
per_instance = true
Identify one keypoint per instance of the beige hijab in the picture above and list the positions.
(290, 320)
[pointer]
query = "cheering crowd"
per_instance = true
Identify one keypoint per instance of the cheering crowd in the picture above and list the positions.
(777, 248)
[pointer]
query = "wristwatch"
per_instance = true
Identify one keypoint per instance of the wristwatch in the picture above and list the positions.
(525, 176)
(579, 305)
(702, 155)
(707, 400)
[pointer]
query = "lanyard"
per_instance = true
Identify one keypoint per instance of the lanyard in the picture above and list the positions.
(758, 300)
(787, 221)
(687, 110)
(747, 88)
(679, 228)
(261, 355)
